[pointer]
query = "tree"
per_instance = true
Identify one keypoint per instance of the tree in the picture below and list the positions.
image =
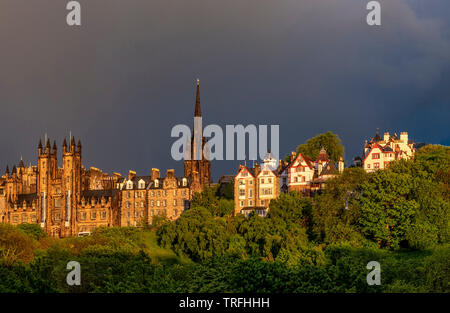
(337, 209)
(387, 207)
(329, 141)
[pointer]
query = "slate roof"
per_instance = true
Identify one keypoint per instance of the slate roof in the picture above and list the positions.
(98, 194)
(329, 169)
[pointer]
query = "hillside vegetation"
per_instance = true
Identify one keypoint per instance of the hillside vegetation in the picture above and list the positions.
(398, 217)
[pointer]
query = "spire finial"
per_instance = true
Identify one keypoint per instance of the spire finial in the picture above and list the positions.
(198, 109)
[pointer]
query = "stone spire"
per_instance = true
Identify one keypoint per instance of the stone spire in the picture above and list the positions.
(198, 109)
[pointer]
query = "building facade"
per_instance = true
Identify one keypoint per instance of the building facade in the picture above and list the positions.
(380, 151)
(255, 187)
(69, 200)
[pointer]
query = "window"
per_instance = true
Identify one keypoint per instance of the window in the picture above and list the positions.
(33, 218)
(375, 155)
(127, 205)
(158, 203)
(153, 193)
(15, 219)
(175, 212)
(141, 184)
(158, 193)
(103, 215)
(242, 203)
(184, 193)
(156, 183)
(250, 182)
(128, 214)
(368, 165)
(241, 192)
(175, 202)
(142, 204)
(93, 215)
(241, 182)
(164, 203)
(83, 216)
(175, 193)
(24, 218)
(57, 217)
(57, 203)
(142, 213)
(152, 203)
(262, 180)
(270, 180)
(250, 202)
(151, 212)
(136, 194)
(128, 195)
(136, 204)
(303, 178)
(296, 179)
(184, 181)
(250, 193)
(129, 185)
(136, 214)
(376, 165)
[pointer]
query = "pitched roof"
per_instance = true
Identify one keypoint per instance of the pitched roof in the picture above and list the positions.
(98, 194)
(322, 155)
(27, 197)
(329, 169)
(226, 179)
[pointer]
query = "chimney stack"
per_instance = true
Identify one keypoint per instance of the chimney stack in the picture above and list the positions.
(155, 173)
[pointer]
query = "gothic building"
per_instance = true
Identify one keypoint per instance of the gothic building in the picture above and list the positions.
(69, 200)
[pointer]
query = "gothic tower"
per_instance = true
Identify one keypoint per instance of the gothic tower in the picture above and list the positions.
(47, 166)
(71, 185)
(198, 167)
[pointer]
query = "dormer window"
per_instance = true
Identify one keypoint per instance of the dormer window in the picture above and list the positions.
(141, 184)
(129, 185)
(156, 183)
(184, 181)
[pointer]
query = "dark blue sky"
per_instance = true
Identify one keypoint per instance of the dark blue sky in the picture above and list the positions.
(124, 78)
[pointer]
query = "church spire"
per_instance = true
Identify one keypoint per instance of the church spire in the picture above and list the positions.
(198, 109)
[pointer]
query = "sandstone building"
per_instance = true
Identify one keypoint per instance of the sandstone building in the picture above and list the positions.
(255, 187)
(380, 151)
(71, 200)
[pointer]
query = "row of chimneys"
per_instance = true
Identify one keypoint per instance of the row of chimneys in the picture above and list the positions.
(170, 173)
(403, 136)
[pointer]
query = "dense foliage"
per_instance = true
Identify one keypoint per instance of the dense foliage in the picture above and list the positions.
(329, 141)
(398, 217)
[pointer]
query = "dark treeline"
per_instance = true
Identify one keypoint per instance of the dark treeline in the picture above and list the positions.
(398, 217)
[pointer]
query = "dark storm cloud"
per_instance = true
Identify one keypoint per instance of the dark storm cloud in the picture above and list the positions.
(126, 76)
